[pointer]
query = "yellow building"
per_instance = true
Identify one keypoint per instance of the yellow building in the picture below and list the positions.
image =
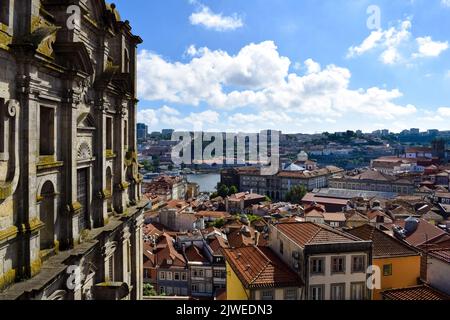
(399, 264)
(256, 273)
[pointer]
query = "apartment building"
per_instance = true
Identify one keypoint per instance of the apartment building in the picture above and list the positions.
(331, 263)
(277, 186)
(371, 180)
(257, 273)
(398, 263)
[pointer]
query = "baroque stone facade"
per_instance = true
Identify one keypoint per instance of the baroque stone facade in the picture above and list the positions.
(70, 192)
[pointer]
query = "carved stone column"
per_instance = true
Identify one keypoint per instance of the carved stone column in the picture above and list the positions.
(137, 274)
(120, 183)
(100, 215)
(69, 153)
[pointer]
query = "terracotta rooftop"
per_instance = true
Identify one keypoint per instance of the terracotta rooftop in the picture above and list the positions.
(441, 254)
(425, 232)
(245, 196)
(315, 214)
(177, 204)
(383, 245)
(305, 233)
(167, 256)
(310, 174)
(241, 236)
(311, 197)
(259, 267)
(194, 254)
(416, 293)
(213, 214)
(334, 216)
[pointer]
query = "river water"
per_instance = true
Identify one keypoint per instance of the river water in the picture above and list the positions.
(207, 182)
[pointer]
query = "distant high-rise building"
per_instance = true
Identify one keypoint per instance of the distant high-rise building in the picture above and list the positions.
(439, 147)
(167, 132)
(142, 131)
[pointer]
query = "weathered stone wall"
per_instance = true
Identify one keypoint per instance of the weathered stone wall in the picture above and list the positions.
(62, 84)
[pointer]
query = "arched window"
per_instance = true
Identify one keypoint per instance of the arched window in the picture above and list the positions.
(47, 216)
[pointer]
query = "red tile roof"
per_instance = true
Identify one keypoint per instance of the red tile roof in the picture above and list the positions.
(304, 233)
(425, 232)
(311, 197)
(383, 244)
(417, 293)
(259, 267)
(194, 254)
(241, 236)
(168, 252)
(213, 214)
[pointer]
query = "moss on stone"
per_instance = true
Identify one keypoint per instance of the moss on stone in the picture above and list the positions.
(7, 279)
(8, 233)
(35, 267)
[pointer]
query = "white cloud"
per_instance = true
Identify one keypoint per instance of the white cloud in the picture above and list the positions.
(395, 45)
(445, 3)
(444, 112)
(312, 66)
(257, 79)
(171, 118)
(215, 21)
(430, 48)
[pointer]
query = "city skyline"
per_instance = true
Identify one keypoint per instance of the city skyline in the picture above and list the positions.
(231, 66)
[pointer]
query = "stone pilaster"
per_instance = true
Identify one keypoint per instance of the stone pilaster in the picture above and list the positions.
(137, 274)
(100, 214)
(120, 183)
(69, 153)
(27, 218)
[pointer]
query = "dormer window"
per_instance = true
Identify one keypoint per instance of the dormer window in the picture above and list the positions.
(169, 262)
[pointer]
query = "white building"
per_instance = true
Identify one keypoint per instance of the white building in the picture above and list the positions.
(331, 263)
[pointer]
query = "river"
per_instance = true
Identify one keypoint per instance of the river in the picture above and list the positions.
(207, 182)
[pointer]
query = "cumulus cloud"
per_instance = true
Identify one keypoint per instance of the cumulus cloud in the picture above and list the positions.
(215, 21)
(257, 79)
(445, 3)
(395, 45)
(169, 117)
(444, 112)
(430, 48)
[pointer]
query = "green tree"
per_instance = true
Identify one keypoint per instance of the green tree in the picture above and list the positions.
(233, 190)
(252, 218)
(149, 290)
(156, 162)
(219, 223)
(147, 165)
(213, 195)
(296, 194)
(223, 191)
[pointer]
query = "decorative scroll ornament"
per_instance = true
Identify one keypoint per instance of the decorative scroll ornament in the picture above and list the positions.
(11, 108)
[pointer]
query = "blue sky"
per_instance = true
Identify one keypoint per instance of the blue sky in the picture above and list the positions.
(295, 65)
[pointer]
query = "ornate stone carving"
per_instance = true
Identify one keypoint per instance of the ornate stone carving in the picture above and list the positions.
(84, 152)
